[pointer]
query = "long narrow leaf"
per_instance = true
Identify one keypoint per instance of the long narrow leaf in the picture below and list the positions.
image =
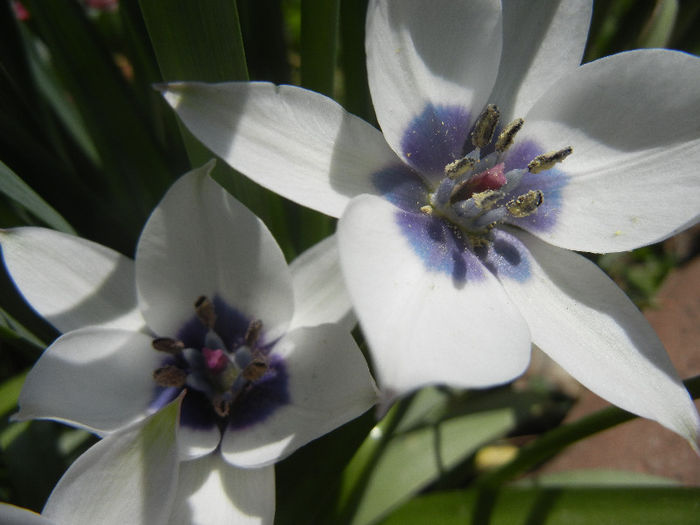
(15, 188)
(514, 506)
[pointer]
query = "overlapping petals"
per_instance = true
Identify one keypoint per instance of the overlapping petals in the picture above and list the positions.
(210, 490)
(128, 477)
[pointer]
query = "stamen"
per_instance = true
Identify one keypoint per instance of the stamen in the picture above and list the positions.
(257, 367)
(458, 167)
(252, 333)
(505, 139)
(526, 204)
(222, 404)
(168, 345)
(427, 209)
(461, 191)
(170, 376)
(204, 309)
(485, 126)
(487, 199)
(548, 160)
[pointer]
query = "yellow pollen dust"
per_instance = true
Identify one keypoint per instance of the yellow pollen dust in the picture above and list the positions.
(506, 137)
(487, 199)
(485, 126)
(525, 204)
(548, 160)
(458, 167)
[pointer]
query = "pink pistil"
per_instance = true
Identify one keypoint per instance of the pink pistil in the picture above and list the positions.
(491, 179)
(216, 360)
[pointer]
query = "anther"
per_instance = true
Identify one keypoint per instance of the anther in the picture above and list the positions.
(252, 333)
(221, 404)
(526, 204)
(427, 209)
(458, 167)
(505, 139)
(257, 367)
(487, 199)
(204, 309)
(168, 345)
(485, 126)
(548, 160)
(170, 376)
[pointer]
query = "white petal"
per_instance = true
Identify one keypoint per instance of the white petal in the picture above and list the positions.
(11, 515)
(444, 54)
(328, 384)
(542, 41)
(432, 314)
(128, 477)
(201, 241)
(633, 170)
(98, 379)
(212, 492)
(584, 322)
(295, 142)
(320, 295)
(70, 281)
(201, 437)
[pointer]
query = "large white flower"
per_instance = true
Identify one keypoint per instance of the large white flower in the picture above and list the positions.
(455, 225)
(262, 350)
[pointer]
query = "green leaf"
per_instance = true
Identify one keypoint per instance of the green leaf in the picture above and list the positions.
(307, 481)
(415, 459)
(356, 97)
(659, 28)
(134, 167)
(409, 461)
(9, 393)
(516, 506)
(319, 36)
(15, 188)
(595, 478)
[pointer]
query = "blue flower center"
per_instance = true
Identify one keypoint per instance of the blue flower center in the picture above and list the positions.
(461, 181)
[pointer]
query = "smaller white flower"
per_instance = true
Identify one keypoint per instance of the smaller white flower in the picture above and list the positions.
(262, 350)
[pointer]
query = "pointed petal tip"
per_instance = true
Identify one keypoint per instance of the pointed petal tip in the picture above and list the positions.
(18, 417)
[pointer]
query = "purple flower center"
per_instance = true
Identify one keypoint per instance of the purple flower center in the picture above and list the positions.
(220, 357)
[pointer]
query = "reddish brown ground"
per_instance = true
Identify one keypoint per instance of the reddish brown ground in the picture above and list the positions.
(640, 445)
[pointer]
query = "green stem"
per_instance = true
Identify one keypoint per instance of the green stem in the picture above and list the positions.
(364, 461)
(558, 439)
